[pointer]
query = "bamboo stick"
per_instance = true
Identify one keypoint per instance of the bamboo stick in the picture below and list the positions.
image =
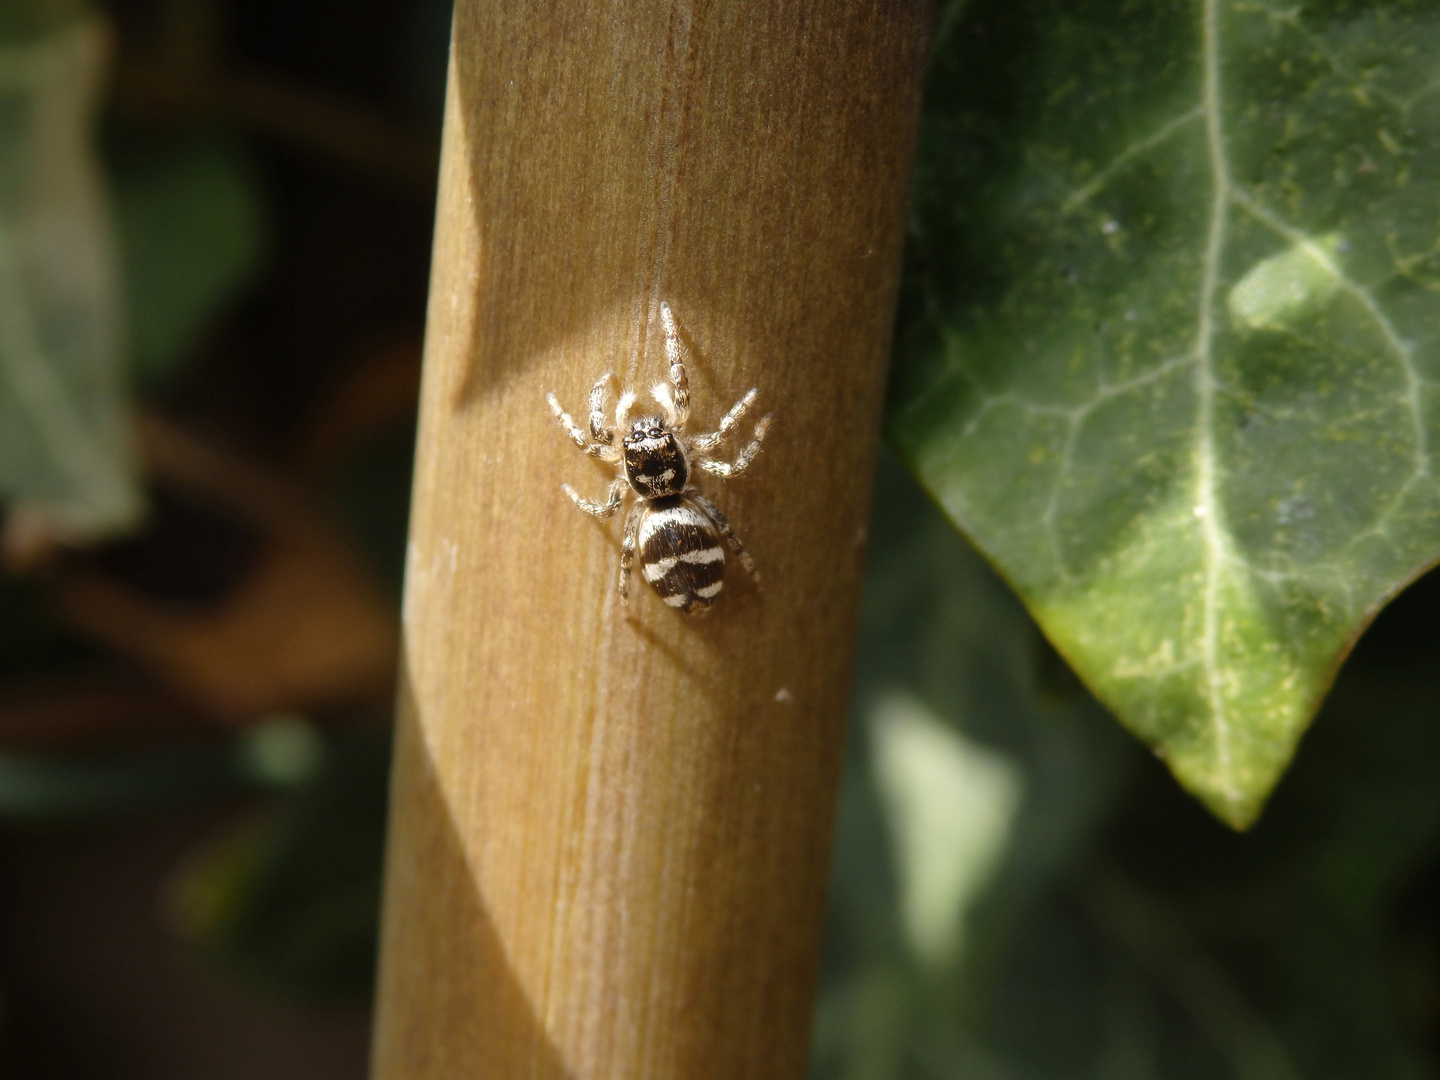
(610, 834)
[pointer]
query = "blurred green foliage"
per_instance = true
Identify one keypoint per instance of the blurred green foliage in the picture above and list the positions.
(191, 223)
(26, 21)
(288, 900)
(1118, 931)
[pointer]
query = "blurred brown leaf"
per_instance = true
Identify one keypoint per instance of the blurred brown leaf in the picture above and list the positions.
(301, 627)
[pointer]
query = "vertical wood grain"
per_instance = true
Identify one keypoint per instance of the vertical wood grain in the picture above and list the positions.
(610, 834)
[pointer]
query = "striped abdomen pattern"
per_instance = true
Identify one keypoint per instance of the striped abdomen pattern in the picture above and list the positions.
(680, 553)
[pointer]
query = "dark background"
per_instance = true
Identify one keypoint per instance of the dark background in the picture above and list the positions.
(190, 826)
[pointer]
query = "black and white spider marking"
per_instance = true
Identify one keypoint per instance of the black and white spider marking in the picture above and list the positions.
(676, 529)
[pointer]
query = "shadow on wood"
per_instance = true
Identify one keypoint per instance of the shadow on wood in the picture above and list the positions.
(437, 912)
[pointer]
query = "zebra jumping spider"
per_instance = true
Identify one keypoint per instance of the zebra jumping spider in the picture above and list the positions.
(676, 529)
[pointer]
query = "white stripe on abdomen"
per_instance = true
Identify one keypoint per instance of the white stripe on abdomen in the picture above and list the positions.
(673, 515)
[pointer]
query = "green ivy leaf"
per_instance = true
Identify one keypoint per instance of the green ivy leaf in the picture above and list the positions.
(1170, 346)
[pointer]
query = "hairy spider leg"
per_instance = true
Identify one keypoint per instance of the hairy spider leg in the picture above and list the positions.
(681, 396)
(705, 443)
(600, 450)
(614, 495)
(598, 431)
(627, 548)
(622, 409)
(665, 398)
(728, 469)
(729, 534)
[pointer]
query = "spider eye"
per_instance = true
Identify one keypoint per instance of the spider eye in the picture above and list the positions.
(656, 432)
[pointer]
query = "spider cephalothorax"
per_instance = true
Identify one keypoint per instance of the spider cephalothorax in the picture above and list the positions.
(655, 462)
(676, 529)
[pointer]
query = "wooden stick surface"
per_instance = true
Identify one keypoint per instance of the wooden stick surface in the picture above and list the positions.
(610, 834)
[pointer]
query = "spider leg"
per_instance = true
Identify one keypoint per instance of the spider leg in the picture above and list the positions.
(705, 443)
(602, 450)
(681, 395)
(598, 431)
(613, 497)
(664, 396)
(728, 469)
(627, 549)
(729, 534)
(622, 409)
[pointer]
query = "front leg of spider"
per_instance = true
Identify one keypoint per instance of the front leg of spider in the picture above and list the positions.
(706, 443)
(677, 533)
(727, 470)
(600, 444)
(598, 431)
(680, 395)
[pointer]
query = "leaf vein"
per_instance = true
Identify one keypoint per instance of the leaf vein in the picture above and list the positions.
(1207, 510)
(1096, 183)
(1402, 349)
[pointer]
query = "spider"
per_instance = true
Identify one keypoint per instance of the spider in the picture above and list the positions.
(676, 529)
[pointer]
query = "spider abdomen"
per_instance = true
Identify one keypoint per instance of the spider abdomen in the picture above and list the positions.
(680, 553)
